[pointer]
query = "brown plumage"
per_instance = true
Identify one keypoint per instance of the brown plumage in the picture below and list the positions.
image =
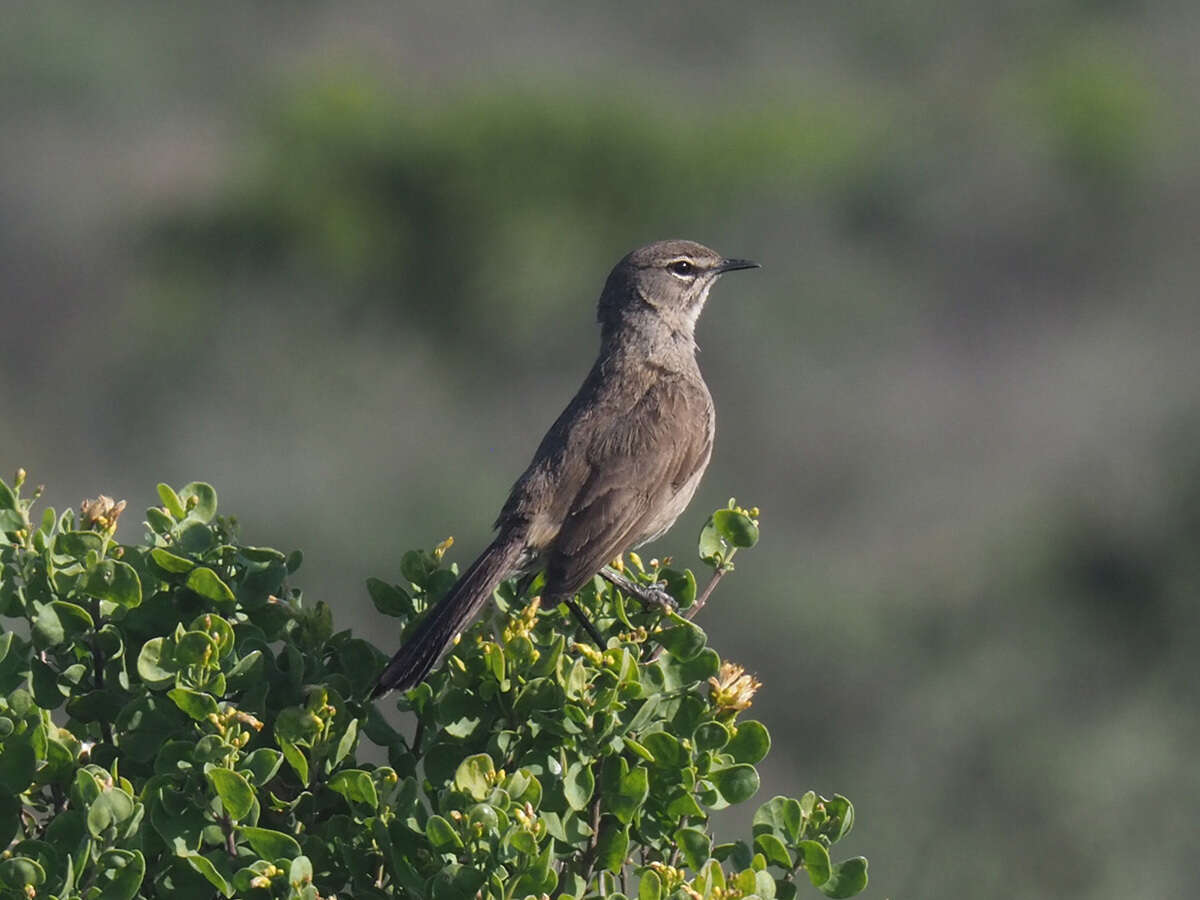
(621, 462)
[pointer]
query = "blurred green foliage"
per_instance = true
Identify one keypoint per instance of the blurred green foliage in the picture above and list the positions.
(482, 210)
(211, 721)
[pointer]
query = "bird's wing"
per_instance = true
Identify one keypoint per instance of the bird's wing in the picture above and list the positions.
(636, 467)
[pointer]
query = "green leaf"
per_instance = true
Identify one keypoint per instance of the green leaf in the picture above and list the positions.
(417, 566)
(216, 628)
(356, 786)
(45, 682)
(630, 793)
(169, 562)
(711, 736)
(764, 884)
(774, 850)
(205, 582)
(681, 585)
(696, 846)
(846, 878)
(684, 804)
(248, 667)
(347, 741)
(475, 776)
(200, 501)
(159, 521)
(736, 528)
(295, 723)
(736, 783)
(261, 764)
(196, 704)
(781, 816)
(195, 648)
(750, 742)
(638, 749)
(713, 548)
(205, 867)
(683, 640)
(10, 818)
(77, 544)
(154, 665)
(112, 808)
(17, 764)
(75, 619)
(300, 871)
(10, 520)
(456, 882)
(841, 818)
(47, 629)
(649, 886)
(18, 872)
(171, 501)
(295, 757)
(442, 834)
(194, 537)
(272, 846)
(389, 599)
(612, 847)
(116, 582)
(120, 874)
(578, 785)
(667, 751)
(234, 790)
(815, 859)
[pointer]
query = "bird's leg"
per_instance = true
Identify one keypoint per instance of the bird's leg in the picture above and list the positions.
(581, 617)
(525, 581)
(651, 596)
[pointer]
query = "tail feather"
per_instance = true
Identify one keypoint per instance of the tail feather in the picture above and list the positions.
(474, 587)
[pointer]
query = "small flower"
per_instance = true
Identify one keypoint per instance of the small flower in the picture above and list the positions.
(733, 690)
(440, 550)
(101, 514)
(589, 652)
(247, 719)
(521, 624)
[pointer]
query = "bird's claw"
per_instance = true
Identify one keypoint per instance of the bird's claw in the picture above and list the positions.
(656, 594)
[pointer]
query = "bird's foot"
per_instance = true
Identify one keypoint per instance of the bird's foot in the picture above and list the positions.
(651, 596)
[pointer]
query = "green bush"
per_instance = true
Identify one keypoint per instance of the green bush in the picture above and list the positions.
(176, 720)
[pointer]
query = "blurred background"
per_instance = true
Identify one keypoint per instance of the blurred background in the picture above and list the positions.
(341, 260)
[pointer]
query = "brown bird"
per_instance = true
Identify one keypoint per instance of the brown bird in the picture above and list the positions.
(620, 464)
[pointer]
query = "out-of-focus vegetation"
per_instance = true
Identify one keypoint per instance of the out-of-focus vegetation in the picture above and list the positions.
(343, 260)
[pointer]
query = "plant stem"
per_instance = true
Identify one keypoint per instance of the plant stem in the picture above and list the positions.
(98, 665)
(691, 611)
(230, 843)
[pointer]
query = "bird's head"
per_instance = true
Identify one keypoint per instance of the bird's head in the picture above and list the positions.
(667, 280)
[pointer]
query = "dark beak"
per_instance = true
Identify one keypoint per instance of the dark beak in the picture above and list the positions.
(730, 265)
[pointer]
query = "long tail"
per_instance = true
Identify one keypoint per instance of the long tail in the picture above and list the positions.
(474, 587)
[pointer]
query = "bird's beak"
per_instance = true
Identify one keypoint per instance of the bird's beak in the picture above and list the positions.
(730, 265)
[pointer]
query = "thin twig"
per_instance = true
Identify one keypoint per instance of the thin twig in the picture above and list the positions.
(98, 665)
(691, 611)
(417, 735)
(587, 859)
(230, 842)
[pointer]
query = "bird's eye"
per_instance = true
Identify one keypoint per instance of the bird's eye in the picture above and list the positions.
(681, 267)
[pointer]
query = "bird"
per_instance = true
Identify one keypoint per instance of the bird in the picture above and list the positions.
(618, 466)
